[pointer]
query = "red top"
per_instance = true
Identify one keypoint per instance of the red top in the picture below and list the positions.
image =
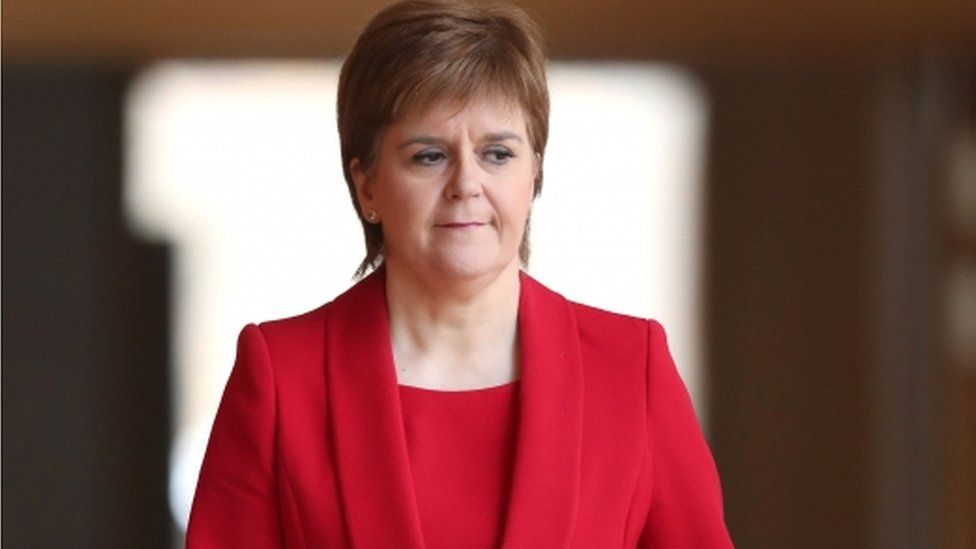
(461, 446)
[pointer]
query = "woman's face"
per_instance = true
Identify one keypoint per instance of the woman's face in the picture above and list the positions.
(452, 188)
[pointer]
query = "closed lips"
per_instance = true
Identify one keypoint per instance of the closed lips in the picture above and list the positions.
(460, 225)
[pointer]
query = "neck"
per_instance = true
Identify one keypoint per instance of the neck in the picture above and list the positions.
(453, 333)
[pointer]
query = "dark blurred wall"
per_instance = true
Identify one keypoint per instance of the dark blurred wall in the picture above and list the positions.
(85, 358)
(830, 417)
(788, 257)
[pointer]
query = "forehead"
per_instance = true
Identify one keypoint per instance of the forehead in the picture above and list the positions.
(488, 112)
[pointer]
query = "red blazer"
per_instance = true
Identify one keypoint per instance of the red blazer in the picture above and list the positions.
(308, 448)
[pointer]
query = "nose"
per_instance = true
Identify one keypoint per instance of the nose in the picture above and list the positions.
(465, 179)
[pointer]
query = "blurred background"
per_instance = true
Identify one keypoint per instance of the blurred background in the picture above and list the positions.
(790, 187)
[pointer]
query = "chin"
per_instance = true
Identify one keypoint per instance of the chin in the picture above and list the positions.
(469, 266)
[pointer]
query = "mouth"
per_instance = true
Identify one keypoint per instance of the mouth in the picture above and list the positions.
(460, 225)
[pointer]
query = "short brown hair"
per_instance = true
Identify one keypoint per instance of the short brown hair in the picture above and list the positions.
(415, 52)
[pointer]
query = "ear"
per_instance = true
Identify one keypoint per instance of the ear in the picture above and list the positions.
(361, 181)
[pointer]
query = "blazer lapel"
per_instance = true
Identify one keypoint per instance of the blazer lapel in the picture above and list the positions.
(364, 408)
(545, 484)
(370, 443)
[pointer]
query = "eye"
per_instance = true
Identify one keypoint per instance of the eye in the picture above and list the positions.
(429, 157)
(498, 155)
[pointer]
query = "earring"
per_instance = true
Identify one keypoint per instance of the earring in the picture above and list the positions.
(372, 216)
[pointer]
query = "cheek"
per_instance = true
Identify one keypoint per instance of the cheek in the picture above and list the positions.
(393, 192)
(518, 204)
(407, 208)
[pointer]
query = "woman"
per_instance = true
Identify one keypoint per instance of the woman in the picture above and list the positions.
(448, 399)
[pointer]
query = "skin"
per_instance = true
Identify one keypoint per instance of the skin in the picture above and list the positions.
(452, 187)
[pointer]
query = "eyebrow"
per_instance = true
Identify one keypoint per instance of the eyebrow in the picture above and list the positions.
(431, 140)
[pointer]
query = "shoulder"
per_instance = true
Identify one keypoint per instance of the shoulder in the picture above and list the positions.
(309, 326)
(607, 323)
(295, 342)
(589, 319)
(296, 326)
(302, 336)
(613, 337)
(602, 328)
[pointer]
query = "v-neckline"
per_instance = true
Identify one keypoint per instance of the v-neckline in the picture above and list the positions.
(369, 440)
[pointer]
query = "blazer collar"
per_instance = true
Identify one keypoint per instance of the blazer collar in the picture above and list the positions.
(370, 443)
